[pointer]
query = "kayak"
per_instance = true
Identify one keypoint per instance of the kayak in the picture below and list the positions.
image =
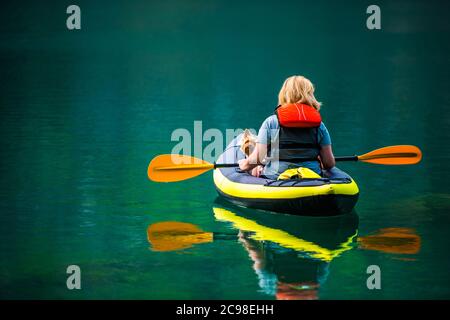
(335, 192)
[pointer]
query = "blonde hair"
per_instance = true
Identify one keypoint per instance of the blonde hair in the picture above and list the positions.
(298, 89)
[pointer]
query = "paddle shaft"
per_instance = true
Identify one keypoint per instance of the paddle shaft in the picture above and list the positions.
(346, 158)
(232, 165)
(224, 236)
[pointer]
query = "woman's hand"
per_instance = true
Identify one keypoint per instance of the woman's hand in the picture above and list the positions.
(257, 171)
(243, 164)
(254, 159)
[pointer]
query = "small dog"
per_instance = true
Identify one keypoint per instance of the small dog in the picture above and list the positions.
(248, 142)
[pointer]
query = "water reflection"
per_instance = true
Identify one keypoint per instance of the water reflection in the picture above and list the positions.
(291, 254)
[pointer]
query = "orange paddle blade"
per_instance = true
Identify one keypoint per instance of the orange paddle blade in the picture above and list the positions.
(392, 240)
(393, 155)
(173, 235)
(175, 167)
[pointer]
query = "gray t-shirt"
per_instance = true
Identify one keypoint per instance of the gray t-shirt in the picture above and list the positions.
(269, 131)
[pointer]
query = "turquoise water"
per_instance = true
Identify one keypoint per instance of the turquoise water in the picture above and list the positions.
(83, 112)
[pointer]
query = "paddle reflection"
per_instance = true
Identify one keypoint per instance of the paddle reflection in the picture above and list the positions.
(392, 240)
(290, 254)
(174, 235)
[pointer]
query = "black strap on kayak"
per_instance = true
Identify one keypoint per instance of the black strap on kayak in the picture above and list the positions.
(225, 165)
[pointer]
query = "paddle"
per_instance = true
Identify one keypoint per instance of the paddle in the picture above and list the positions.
(172, 236)
(174, 167)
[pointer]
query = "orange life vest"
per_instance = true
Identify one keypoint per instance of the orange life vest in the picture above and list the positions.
(297, 115)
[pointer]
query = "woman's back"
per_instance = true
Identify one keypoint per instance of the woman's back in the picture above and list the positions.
(269, 135)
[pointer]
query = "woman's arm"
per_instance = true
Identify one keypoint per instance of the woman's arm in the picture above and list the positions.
(255, 158)
(327, 157)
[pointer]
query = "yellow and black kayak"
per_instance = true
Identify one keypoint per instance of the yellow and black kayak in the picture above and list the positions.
(335, 192)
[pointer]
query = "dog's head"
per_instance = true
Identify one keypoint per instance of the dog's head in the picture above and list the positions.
(248, 142)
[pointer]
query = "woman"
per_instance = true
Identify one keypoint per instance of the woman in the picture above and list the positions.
(284, 146)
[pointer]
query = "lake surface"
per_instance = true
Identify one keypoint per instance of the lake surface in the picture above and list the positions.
(83, 112)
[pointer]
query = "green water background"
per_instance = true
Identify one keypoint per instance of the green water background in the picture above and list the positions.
(83, 112)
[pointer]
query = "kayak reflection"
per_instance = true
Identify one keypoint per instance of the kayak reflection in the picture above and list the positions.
(291, 254)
